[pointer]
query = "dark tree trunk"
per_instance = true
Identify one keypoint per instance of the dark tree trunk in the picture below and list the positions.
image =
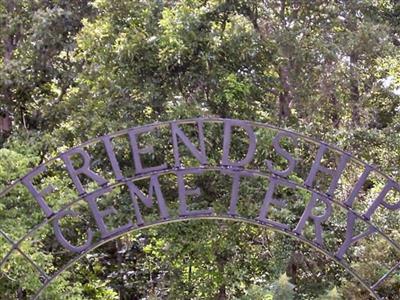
(5, 123)
(335, 116)
(10, 42)
(221, 261)
(354, 57)
(354, 91)
(329, 93)
(295, 263)
(120, 260)
(222, 293)
(284, 101)
(21, 294)
(285, 96)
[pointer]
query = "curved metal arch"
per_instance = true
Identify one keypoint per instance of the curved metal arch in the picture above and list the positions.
(311, 140)
(193, 121)
(15, 245)
(218, 169)
(371, 289)
(226, 218)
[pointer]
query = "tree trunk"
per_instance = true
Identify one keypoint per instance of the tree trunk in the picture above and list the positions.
(329, 94)
(10, 42)
(354, 91)
(222, 293)
(120, 260)
(295, 263)
(335, 116)
(354, 57)
(285, 96)
(221, 261)
(21, 295)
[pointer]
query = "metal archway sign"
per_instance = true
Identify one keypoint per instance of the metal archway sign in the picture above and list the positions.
(154, 168)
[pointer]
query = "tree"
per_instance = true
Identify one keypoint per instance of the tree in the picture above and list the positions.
(73, 70)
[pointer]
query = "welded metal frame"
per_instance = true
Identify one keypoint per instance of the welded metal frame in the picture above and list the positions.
(46, 279)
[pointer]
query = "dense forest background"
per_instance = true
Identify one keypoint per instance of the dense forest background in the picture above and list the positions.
(71, 70)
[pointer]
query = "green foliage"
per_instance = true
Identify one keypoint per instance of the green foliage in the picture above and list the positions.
(257, 293)
(333, 294)
(283, 289)
(71, 70)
